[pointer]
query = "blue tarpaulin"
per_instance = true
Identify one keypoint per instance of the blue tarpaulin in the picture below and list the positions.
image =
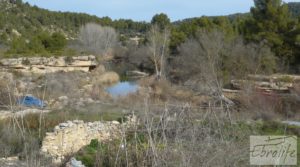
(31, 101)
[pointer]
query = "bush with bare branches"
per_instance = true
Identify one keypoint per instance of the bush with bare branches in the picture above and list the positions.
(175, 136)
(97, 39)
(210, 60)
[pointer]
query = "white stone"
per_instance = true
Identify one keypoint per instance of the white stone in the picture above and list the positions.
(63, 98)
(115, 122)
(55, 147)
(63, 125)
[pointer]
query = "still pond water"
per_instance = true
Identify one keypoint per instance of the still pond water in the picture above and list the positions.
(122, 89)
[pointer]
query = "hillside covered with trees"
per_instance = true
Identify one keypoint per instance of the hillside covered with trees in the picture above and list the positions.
(29, 29)
(27, 20)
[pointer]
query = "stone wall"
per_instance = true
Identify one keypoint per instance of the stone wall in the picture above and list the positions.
(51, 64)
(70, 137)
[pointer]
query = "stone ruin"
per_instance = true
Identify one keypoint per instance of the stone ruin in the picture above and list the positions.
(69, 137)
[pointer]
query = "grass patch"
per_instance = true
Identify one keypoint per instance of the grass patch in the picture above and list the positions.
(105, 153)
(287, 79)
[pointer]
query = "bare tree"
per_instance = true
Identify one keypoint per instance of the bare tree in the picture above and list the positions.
(97, 39)
(158, 47)
(241, 59)
(200, 60)
(210, 58)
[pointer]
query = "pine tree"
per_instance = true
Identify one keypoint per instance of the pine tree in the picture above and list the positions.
(271, 22)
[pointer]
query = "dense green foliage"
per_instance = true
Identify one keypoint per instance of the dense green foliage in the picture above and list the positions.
(27, 19)
(161, 20)
(41, 43)
(29, 30)
(189, 28)
(105, 153)
(272, 23)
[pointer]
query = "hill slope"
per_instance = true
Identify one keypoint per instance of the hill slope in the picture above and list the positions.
(20, 18)
(24, 19)
(294, 8)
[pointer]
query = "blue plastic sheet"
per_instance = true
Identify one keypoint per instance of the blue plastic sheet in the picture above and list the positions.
(31, 101)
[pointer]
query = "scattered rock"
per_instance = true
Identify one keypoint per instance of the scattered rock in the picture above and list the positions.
(74, 163)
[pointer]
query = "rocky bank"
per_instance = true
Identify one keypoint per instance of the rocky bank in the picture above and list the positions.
(51, 64)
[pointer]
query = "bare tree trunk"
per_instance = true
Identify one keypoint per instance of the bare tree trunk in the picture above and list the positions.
(162, 60)
(158, 47)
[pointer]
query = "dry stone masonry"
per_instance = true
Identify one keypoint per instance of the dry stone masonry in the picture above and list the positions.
(71, 136)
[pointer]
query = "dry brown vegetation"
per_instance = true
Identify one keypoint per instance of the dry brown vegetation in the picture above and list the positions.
(176, 135)
(174, 130)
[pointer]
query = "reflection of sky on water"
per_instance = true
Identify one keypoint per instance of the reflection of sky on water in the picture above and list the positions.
(122, 89)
